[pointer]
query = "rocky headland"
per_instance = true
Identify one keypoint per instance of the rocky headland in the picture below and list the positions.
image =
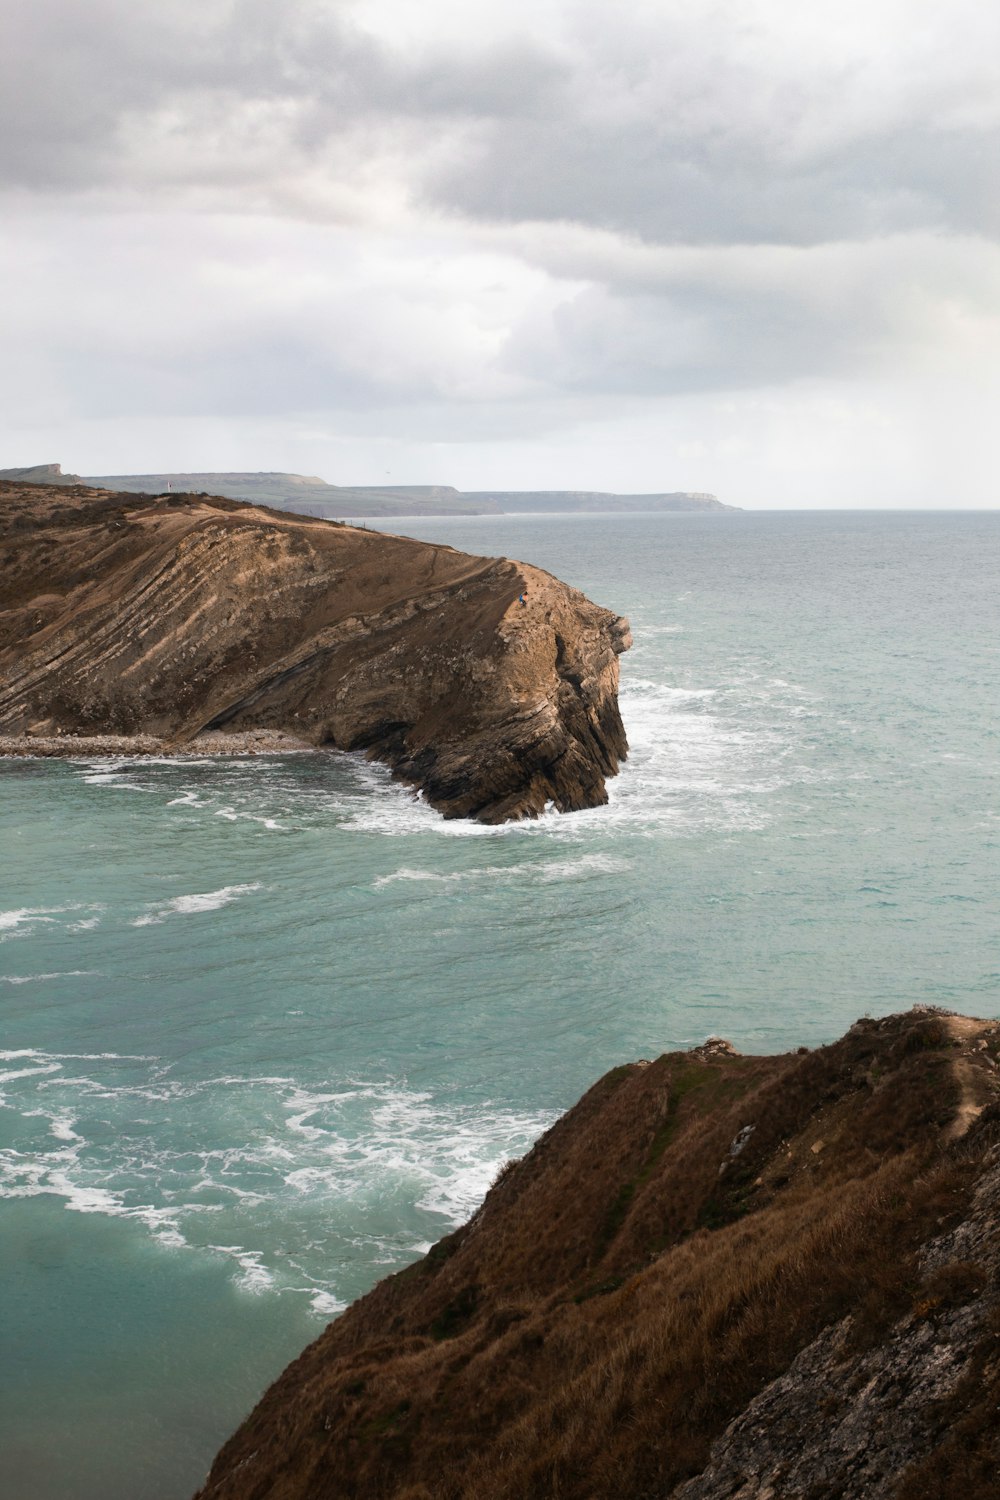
(191, 622)
(718, 1277)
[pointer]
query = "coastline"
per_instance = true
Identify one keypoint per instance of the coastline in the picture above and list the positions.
(212, 742)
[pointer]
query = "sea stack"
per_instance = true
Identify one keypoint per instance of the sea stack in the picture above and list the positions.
(486, 683)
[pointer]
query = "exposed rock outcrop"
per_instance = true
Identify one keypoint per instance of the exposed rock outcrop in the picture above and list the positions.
(40, 474)
(771, 1278)
(174, 616)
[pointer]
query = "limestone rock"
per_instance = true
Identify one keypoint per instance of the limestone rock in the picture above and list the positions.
(179, 615)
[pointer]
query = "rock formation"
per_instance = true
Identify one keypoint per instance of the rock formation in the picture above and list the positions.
(40, 474)
(716, 1278)
(174, 616)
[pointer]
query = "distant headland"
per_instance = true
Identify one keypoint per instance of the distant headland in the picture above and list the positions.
(309, 496)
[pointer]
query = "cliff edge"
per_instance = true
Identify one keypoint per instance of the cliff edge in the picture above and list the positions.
(175, 616)
(716, 1278)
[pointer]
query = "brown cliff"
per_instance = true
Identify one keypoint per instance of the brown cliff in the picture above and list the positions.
(173, 616)
(717, 1276)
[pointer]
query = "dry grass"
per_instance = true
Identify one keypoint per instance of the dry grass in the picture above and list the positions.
(618, 1299)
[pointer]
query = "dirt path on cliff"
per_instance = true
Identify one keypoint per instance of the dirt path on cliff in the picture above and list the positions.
(975, 1071)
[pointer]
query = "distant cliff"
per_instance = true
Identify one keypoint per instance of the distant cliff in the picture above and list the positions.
(170, 617)
(306, 495)
(39, 474)
(716, 1278)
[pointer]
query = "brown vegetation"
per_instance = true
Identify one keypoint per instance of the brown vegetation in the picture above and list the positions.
(715, 1275)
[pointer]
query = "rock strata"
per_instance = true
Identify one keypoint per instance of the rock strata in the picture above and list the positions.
(676, 1295)
(165, 619)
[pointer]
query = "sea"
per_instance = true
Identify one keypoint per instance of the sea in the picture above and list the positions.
(271, 1026)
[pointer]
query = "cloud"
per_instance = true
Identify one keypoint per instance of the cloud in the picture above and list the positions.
(482, 225)
(662, 319)
(139, 314)
(719, 122)
(755, 122)
(239, 104)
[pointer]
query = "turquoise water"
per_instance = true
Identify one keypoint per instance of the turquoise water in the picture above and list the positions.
(271, 1026)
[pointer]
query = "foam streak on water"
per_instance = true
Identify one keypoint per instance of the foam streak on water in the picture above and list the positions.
(103, 1139)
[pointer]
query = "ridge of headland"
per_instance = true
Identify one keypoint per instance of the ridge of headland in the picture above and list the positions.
(307, 494)
(717, 1276)
(166, 619)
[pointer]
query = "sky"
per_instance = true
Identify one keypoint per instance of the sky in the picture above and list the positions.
(739, 246)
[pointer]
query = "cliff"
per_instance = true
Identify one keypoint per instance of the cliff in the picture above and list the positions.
(717, 1276)
(39, 474)
(172, 617)
(306, 494)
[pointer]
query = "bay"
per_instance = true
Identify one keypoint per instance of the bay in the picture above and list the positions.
(270, 1026)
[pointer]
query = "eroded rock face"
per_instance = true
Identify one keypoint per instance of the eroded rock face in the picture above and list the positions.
(175, 616)
(716, 1278)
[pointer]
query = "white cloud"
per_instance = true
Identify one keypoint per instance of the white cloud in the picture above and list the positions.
(509, 238)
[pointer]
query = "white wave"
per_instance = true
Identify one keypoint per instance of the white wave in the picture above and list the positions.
(254, 1276)
(406, 873)
(385, 807)
(12, 1073)
(9, 1056)
(159, 911)
(111, 779)
(56, 974)
(14, 918)
(325, 1304)
(546, 871)
(84, 1200)
(258, 1150)
(701, 755)
(18, 922)
(585, 864)
(449, 1155)
(21, 921)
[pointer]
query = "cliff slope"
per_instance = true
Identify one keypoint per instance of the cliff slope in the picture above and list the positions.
(172, 616)
(716, 1277)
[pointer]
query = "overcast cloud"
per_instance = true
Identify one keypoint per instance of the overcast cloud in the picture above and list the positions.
(745, 247)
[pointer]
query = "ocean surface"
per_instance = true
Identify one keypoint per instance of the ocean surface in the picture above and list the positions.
(271, 1026)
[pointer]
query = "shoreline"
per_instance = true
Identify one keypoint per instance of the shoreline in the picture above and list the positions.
(139, 746)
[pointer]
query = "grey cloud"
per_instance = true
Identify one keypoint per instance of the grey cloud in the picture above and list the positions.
(679, 129)
(76, 80)
(657, 322)
(668, 223)
(637, 179)
(238, 81)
